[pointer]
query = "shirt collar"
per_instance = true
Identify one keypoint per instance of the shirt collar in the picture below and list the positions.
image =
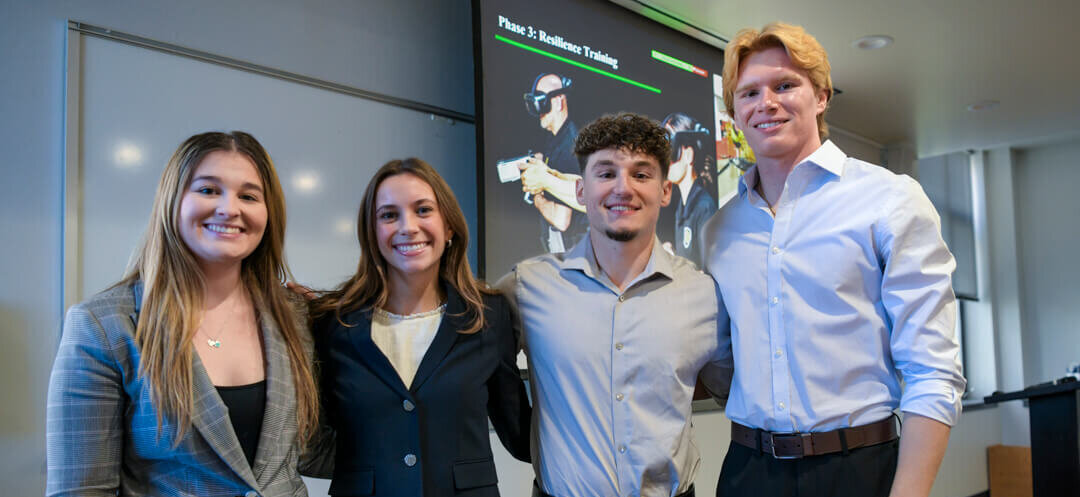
(828, 157)
(582, 258)
(748, 180)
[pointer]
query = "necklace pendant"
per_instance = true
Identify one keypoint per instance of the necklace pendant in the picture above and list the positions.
(213, 343)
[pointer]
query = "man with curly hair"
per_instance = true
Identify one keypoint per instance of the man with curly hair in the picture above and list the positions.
(838, 285)
(616, 330)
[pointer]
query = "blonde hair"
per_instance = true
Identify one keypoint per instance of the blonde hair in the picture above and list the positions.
(174, 285)
(367, 288)
(802, 48)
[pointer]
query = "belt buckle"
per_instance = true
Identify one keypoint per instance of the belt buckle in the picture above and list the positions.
(791, 434)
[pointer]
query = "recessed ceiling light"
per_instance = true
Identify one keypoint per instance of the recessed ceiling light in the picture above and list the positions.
(983, 105)
(873, 42)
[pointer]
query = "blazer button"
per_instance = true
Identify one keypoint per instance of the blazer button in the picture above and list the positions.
(408, 405)
(410, 460)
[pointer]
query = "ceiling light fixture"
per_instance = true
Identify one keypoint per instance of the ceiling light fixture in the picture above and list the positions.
(873, 42)
(983, 105)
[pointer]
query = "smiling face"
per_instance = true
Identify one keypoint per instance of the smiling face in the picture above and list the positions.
(776, 107)
(623, 192)
(223, 211)
(409, 228)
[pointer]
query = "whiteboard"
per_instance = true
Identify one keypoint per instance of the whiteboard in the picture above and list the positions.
(135, 105)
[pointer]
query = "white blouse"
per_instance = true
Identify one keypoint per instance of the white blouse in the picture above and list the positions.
(405, 339)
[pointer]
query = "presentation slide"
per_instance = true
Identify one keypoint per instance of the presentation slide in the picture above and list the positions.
(545, 70)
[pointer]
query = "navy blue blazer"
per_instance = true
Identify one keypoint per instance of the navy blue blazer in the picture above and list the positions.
(430, 439)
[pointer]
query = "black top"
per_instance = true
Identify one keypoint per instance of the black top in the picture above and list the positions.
(559, 153)
(690, 218)
(246, 404)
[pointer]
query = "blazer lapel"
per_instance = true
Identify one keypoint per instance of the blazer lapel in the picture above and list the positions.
(280, 398)
(209, 415)
(136, 290)
(447, 334)
(211, 418)
(360, 336)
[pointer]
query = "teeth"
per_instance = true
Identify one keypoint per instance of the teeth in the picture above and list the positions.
(619, 208)
(767, 125)
(223, 229)
(411, 247)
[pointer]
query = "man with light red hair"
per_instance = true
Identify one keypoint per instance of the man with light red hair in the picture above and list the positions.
(838, 285)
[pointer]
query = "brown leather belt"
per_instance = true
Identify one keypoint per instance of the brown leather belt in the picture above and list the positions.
(799, 445)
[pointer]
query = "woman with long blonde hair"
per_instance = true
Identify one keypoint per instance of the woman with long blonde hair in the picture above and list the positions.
(415, 354)
(192, 375)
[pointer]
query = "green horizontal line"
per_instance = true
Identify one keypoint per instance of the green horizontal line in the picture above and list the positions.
(673, 61)
(576, 63)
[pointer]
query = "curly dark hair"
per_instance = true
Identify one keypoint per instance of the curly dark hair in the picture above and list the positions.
(632, 132)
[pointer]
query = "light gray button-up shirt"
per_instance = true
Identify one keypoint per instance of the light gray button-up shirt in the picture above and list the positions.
(613, 372)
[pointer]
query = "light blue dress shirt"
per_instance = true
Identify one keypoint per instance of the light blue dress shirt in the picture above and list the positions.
(837, 300)
(613, 372)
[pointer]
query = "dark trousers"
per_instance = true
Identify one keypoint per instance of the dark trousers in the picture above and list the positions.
(864, 472)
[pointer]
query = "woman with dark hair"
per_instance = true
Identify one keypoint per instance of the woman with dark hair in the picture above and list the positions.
(416, 354)
(192, 376)
(692, 170)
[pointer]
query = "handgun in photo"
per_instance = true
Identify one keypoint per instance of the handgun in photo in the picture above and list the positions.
(510, 170)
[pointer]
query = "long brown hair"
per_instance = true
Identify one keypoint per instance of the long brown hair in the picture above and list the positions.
(174, 286)
(368, 287)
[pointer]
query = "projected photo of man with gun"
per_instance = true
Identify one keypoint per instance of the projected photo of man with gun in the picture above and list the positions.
(548, 177)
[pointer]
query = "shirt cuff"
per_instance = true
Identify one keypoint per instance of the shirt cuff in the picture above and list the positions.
(937, 399)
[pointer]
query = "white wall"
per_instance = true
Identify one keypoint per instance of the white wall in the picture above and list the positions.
(1045, 181)
(856, 146)
(1004, 295)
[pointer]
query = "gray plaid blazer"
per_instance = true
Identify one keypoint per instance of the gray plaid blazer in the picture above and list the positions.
(102, 432)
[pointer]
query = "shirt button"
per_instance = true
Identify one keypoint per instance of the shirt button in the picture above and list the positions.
(622, 298)
(622, 449)
(775, 249)
(781, 406)
(408, 405)
(619, 397)
(410, 460)
(251, 493)
(779, 353)
(776, 300)
(618, 346)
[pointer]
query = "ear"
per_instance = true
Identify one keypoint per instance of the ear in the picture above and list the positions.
(666, 187)
(822, 100)
(579, 190)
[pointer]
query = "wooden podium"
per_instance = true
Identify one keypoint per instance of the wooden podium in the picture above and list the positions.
(1055, 436)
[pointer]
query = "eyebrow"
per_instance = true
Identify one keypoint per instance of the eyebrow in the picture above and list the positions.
(418, 202)
(740, 89)
(784, 76)
(246, 186)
